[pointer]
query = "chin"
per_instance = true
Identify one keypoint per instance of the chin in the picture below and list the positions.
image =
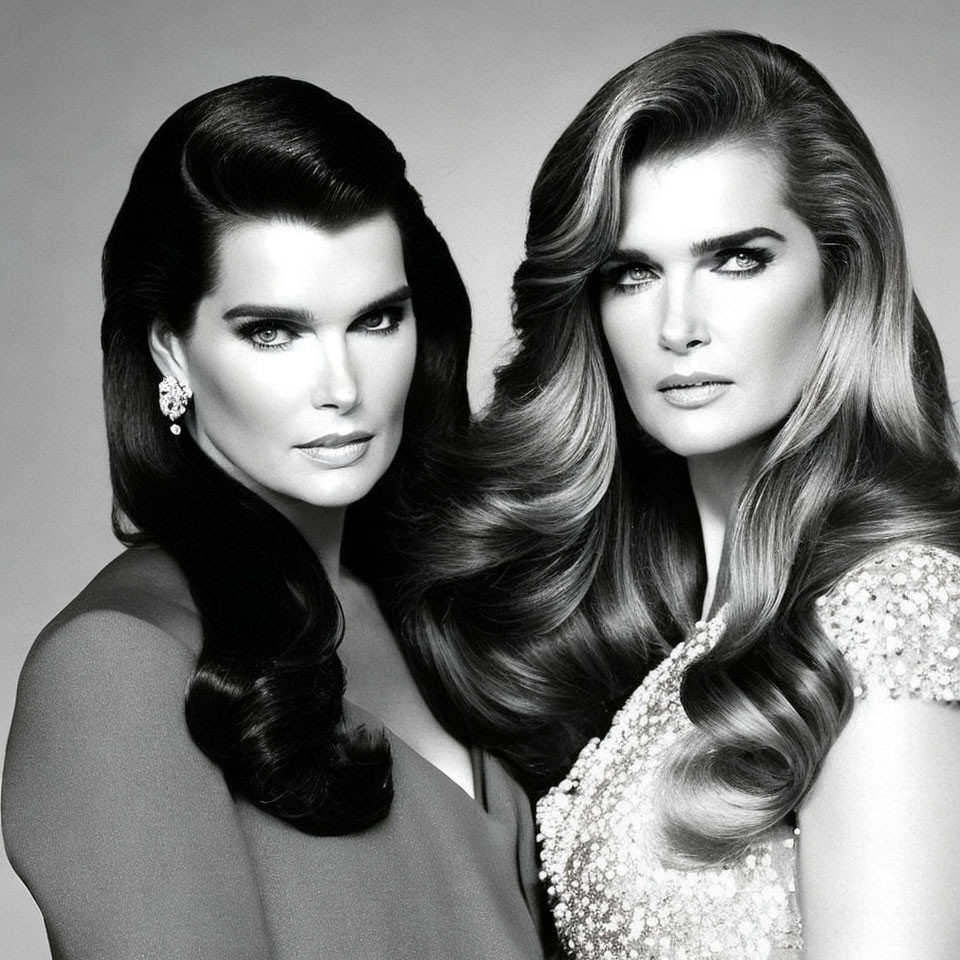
(339, 495)
(699, 446)
(332, 493)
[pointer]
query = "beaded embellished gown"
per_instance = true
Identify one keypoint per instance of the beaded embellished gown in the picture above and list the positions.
(896, 620)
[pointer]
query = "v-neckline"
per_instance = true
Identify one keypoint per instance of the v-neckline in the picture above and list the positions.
(476, 758)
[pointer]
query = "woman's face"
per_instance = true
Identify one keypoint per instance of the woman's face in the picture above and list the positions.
(300, 359)
(712, 302)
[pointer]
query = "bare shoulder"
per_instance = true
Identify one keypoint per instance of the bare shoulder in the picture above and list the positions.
(879, 830)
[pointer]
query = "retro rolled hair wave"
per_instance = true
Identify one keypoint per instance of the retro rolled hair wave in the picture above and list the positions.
(265, 700)
(575, 536)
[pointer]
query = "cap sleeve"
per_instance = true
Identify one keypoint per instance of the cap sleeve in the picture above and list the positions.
(896, 620)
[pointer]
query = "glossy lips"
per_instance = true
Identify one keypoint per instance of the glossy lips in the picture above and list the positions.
(337, 450)
(692, 389)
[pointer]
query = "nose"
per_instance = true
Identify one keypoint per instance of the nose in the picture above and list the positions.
(682, 323)
(335, 386)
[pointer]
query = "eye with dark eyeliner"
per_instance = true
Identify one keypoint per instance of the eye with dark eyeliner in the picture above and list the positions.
(267, 334)
(628, 277)
(383, 321)
(742, 261)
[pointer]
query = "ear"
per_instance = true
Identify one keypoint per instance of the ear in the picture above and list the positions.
(167, 351)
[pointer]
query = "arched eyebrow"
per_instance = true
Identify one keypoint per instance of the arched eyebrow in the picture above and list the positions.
(737, 239)
(624, 255)
(296, 315)
(263, 311)
(392, 299)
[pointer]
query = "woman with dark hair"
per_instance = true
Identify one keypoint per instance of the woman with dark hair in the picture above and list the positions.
(218, 749)
(724, 450)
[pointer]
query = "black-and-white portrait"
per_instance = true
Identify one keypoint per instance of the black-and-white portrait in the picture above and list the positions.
(484, 478)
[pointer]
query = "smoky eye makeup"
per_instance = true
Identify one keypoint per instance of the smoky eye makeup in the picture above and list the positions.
(266, 334)
(383, 321)
(266, 327)
(742, 261)
(627, 270)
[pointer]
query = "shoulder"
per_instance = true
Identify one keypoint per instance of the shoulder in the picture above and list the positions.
(140, 596)
(121, 651)
(101, 691)
(110, 810)
(896, 619)
(879, 829)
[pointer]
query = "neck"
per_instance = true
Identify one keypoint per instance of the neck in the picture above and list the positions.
(716, 480)
(322, 528)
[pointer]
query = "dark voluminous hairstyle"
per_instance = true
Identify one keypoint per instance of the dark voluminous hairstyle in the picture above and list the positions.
(572, 558)
(265, 700)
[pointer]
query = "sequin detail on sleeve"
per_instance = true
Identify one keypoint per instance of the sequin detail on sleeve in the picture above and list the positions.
(896, 619)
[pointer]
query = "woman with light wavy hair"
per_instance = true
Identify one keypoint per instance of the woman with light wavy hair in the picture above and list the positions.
(716, 498)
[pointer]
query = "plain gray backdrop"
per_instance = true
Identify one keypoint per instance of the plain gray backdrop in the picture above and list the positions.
(473, 94)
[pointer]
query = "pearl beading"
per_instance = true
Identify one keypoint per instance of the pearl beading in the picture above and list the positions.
(896, 619)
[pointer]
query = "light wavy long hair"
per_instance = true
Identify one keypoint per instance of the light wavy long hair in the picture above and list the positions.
(571, 557)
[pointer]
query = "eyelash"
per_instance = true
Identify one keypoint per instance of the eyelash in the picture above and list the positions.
(619, 287)
(761, 257)
(249, 330)
(394, 315)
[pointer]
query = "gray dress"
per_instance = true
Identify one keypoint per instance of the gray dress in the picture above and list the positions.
(443, 877)
(132, 845)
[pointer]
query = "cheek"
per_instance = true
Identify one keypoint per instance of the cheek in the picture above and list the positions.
(631, 355)
(388, 372)
(791, 348)
(240, 396)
